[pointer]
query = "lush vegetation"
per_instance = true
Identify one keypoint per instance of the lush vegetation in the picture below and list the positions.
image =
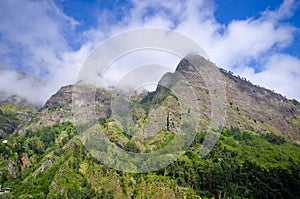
(11, 115)
(242, 164)
(8, 123)
(43, 157)
(52, 163)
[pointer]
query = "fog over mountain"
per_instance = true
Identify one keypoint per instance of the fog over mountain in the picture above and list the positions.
(22, 85)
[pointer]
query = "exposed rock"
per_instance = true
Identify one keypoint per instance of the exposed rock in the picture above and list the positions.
(11, 168)
(25, 161)
(46, 164)
(58, 108)
(248, 106)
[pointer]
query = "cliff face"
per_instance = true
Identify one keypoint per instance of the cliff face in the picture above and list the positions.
(260, 109)
(58, 108)
(45, 157)
(247, 106)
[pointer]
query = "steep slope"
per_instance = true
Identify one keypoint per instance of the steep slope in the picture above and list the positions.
(14, 111)
(261, 110)
(248, 106)
(58, 109)
(45, 157)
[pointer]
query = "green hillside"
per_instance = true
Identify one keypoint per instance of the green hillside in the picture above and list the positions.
(12, 114)
(52, 163)
(257, 153)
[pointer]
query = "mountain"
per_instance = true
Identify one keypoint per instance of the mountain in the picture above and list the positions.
(256, 156)
(248, 106)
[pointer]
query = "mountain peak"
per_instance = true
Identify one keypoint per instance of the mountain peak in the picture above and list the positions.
(191, 62)
(247, 106)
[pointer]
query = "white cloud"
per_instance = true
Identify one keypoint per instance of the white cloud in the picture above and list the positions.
(231, 46)
(37, 38)
(249, 39)
(33, 40)
(235, 45)
(29, 31)
(127, 68)
(21, 84)
(281, 73)
(285, 10)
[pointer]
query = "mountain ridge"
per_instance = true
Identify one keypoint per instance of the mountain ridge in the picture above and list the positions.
(46, 158)
(247, 107)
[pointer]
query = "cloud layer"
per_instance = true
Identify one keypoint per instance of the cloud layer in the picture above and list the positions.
(35, 37)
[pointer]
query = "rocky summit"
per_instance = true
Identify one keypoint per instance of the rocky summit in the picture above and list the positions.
(256, 155)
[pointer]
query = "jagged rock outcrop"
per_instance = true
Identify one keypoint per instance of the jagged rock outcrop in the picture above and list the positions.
(247, 106)
(58, 108)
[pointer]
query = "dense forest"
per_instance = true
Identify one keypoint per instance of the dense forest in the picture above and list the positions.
(52, 163)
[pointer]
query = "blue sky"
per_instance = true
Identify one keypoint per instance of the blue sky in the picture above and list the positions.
(256, 39)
